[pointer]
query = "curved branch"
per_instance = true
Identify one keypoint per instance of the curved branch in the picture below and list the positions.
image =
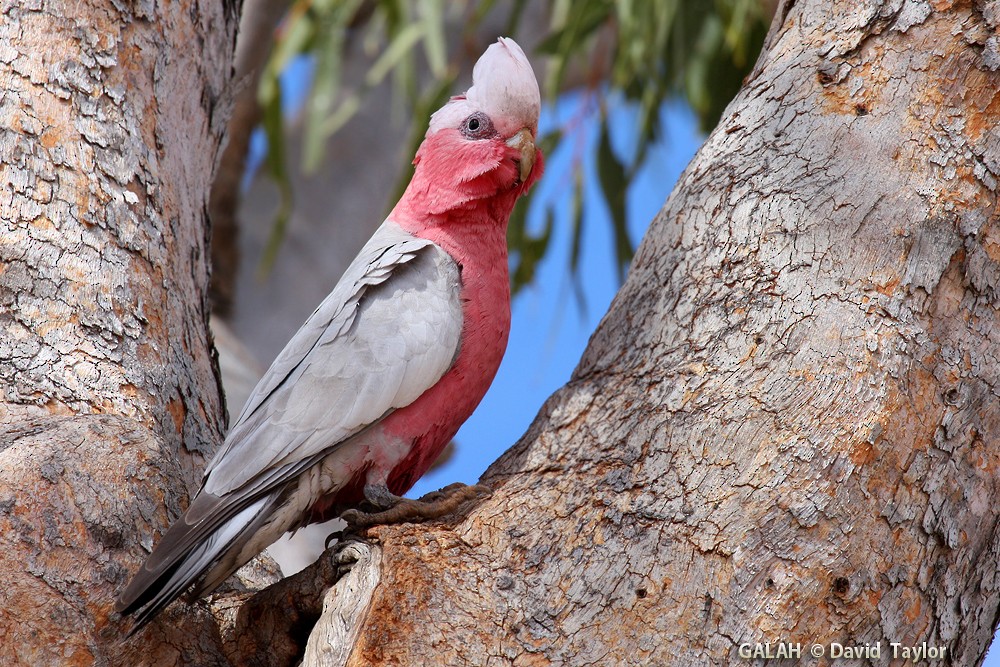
(778, 433)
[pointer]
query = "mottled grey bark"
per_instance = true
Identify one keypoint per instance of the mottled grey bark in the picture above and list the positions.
(786, 427)
(111, 116)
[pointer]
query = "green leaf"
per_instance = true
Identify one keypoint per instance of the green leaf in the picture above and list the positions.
(576, 242)
(399, 48)
(614, 182)
(276, 165)
(576, 218)
(345, 112)
(529, 249)
(581, 24)
(293, 39)
(435, 45)
(329, 108)
(548, 142)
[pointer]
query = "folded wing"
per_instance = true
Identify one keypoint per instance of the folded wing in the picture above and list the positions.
(387, 332)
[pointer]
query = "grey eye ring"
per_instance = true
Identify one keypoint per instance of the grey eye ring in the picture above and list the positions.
(478, 126)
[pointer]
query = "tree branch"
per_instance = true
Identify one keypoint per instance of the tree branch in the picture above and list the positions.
(777, 433)
(259, 20)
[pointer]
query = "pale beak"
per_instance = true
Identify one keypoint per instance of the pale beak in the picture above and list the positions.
(525, 143)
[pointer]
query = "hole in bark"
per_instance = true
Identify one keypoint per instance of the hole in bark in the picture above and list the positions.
(861, 110)
(769, 583)
(825, 78)
(841, 586)
(640, 593)
(758, 339)
(952, 396)
(106, 536)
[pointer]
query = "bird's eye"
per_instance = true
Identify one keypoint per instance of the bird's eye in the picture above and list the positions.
(478, 126)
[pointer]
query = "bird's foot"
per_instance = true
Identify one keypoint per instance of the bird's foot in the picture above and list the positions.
(380, 497)
(348, 553)
(433, 505)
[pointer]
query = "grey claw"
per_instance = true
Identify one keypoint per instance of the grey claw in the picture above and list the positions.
(346, 556)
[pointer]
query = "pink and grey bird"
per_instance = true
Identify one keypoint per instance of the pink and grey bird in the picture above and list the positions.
(368, 392)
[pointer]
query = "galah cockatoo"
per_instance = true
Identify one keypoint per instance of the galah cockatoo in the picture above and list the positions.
(377, 381)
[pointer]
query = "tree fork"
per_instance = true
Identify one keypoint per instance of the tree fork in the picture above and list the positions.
(784, 428)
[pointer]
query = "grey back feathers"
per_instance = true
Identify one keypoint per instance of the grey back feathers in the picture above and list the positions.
(388, 331)
(373, 345)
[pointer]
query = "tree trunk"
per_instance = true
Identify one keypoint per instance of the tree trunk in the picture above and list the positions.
(785, 428)
(111, 116)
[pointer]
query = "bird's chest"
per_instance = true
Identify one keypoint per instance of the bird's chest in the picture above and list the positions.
(432, 421)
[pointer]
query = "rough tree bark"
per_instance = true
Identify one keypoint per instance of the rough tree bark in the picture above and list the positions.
(786, 426)
(111, 116)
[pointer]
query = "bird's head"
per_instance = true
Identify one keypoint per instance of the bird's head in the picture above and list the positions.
(480, 146)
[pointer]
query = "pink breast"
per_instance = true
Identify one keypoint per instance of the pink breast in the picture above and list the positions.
(434, 418)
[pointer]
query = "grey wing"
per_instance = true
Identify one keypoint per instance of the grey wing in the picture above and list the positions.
(387, 332)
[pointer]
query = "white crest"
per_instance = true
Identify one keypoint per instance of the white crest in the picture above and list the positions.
(503, 87)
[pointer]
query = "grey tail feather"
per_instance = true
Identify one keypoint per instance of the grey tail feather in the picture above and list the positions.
(150, 592)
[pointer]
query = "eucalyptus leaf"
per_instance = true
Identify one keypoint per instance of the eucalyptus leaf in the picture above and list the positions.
(614, 182)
